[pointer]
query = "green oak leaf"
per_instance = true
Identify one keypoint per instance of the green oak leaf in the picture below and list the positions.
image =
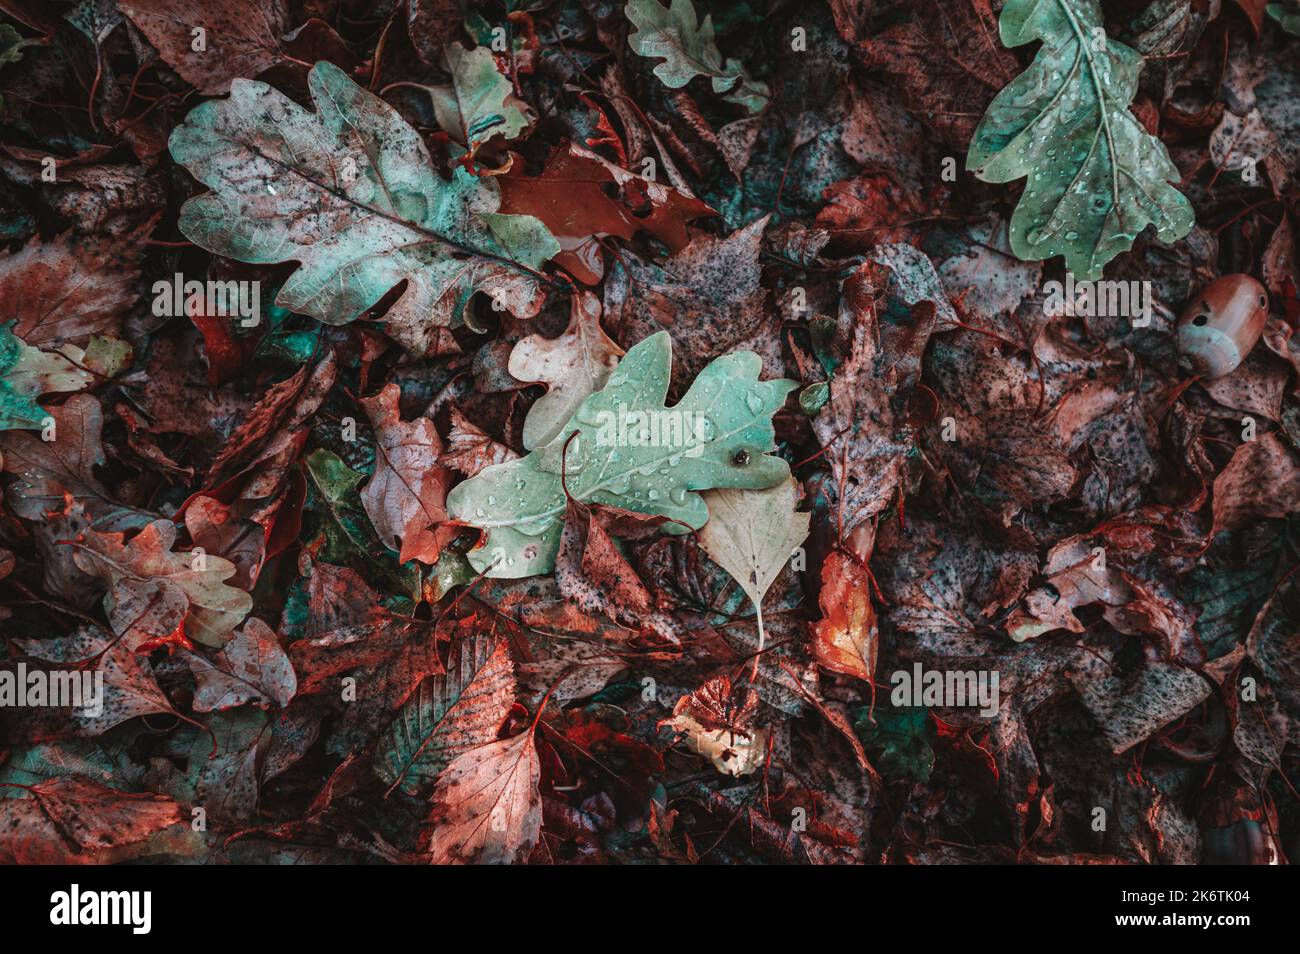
(630, 451)
(1096, 178)
(26, 373)
(688, 49)
(349, 192)
(1287, 16)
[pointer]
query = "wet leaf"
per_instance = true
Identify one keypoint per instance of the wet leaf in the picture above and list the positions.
(281, 192)
(1095, 177)
(718, 435)
(486, 806)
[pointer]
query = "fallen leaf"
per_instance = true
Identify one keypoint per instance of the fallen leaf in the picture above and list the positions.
(146, 570)
(450, 714)
(573, 367)
(382, 218)
(752, 534)
(405, 496)
(486, 807)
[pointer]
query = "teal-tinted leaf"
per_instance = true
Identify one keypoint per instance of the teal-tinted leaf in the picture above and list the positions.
(345, 524)
(814, 397)
(901, 737)
(298, 347)
(103, 760)
(479, 103)
(1274, 642)
(1287, 16)
(1241, 570)
(26, 373)
(675, 35)
(630, 451)
(1095, 177)
(349, 192)
(347, 535)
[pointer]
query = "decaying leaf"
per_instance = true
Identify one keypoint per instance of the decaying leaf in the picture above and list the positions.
(406, 493)
(397, 462)
(252, 667)
(146, 576)
(573, 367)
(27, 373)
(845, 640)
(716, 721)
(350, 193)
(480, 103)
(486, 805)
(240, 38)
(450, 714)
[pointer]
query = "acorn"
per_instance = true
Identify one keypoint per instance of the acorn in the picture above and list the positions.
(1222, 324)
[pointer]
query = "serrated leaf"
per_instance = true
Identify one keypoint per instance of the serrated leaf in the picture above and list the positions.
(129, 689)
(486, 807)
(717, 436)
(448, 715)
(1096, 177)
(349, 192)
(241, 37)
(50, 471)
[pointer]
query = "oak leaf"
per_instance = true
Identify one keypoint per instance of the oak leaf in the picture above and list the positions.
(573, 366)
(146, 570)
(350, 193)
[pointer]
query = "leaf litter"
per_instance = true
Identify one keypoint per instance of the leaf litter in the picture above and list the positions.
(647, 432)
